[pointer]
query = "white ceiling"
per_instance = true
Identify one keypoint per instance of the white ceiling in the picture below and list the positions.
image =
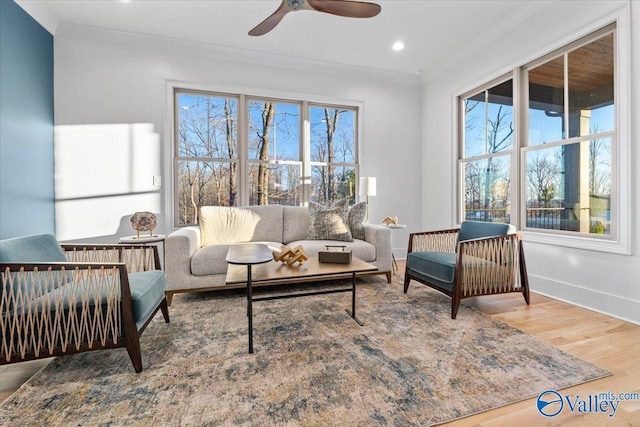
(437, 33)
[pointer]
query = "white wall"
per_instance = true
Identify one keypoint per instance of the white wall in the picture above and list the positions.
(601, 281)
(104, 77)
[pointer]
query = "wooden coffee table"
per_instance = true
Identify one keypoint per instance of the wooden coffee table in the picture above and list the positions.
(256, 270)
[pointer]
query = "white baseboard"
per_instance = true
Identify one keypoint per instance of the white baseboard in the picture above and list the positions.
(611, 305)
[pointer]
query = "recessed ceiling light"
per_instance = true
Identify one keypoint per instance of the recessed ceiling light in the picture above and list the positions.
(398, 46)
(125, 1)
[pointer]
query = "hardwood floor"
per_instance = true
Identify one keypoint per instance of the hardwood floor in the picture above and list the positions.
(605, 341)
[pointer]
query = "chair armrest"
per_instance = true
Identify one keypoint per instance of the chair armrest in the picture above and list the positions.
(434, 241)
(135, 257)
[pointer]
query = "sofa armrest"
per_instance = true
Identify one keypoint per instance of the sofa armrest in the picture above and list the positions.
(179, 248)
(380, 237)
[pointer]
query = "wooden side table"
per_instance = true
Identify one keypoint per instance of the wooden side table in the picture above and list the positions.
(393, 257)
(145, 240)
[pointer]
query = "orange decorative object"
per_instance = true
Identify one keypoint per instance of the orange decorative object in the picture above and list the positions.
(290, 256)
(390, 220)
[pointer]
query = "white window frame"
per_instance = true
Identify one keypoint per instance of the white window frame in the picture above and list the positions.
(512, 153)
(243, 94)
(620, 241)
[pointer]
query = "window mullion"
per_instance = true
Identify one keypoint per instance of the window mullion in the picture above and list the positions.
(243, 151)
(305, 123)
(566, 95)
(486, 121)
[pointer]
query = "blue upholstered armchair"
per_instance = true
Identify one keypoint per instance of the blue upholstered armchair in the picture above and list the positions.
(479, 258)
(61, 299)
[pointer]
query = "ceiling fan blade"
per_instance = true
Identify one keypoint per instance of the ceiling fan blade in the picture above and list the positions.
(270, 23)
(347, 8)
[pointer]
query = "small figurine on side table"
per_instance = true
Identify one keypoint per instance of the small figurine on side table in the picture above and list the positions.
(390, 220)
(144, 221)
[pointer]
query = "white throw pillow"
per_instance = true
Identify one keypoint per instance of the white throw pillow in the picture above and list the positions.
(225, 225)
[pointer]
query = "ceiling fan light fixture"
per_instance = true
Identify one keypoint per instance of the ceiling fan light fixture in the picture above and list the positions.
(295, 4)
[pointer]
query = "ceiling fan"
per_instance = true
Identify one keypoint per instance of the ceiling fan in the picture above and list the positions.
(347, 8)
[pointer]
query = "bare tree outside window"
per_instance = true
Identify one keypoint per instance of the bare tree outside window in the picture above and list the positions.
(275, 165)
(206, 145)
(488, 132)
(279, 161)
(333, 134)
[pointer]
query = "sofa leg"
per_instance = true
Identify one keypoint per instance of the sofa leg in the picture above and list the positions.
(169, 297)
(165, 310)
(388, 273)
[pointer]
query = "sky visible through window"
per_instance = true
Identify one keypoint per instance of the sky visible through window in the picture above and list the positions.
(546, 129)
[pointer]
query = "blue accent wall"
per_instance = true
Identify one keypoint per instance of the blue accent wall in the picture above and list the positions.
(26, 125)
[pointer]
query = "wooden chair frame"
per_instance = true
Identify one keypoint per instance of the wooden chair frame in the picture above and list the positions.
(48, 324)
(485, 266)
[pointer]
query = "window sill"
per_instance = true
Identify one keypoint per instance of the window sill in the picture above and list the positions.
(618, 246)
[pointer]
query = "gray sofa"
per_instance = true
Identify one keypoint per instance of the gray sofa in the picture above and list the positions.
(195, 255)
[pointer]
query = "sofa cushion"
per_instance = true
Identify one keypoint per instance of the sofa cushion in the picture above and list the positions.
(359, 248)
(212, 259)
(355, 220)
(226, 225)
(297, 223)
(209, 260)
(329, 222)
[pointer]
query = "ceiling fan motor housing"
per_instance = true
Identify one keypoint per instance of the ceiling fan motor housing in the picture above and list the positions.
(295, 4)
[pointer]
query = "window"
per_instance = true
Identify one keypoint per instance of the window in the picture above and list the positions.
(333, 165)
(571, 135)
(270, 161)
(564, 170)
(206, 159)
(275, 166)
(486, 160)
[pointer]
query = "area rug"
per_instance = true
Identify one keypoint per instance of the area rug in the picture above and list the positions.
(410, 364)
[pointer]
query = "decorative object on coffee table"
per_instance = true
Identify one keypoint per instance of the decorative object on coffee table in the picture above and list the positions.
(290, 256)
(390, 220)
(335, 254)
(144, 221)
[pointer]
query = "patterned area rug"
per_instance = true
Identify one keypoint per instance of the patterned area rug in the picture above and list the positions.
(410, 364)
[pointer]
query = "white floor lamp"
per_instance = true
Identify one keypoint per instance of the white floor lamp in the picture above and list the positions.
(367, 188)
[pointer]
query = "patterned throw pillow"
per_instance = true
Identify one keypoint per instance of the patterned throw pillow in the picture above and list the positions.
(355, 220)
(329, 222)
